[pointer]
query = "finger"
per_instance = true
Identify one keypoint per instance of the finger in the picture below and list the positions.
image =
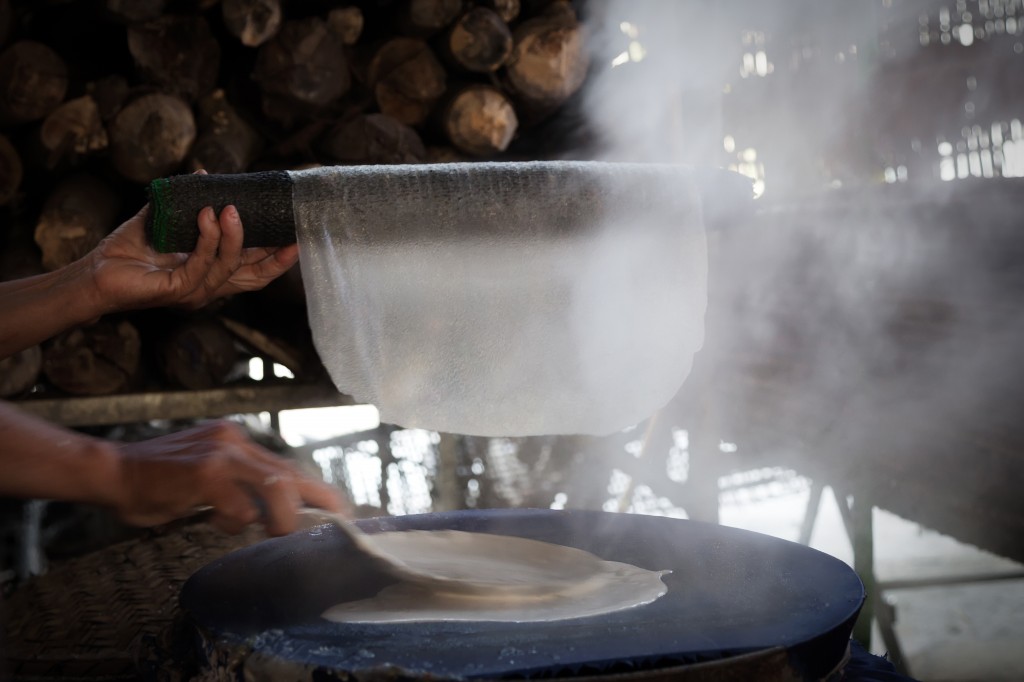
(232, 234)
(233, 508)
(322, 496)
(274, 264)
(228, 255)
(200, 171)
(197, 266)
(282, 501)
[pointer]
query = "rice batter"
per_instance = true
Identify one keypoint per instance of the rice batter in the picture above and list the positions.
(485, 577)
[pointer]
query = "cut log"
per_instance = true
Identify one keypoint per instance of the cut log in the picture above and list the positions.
(20, 372)
(480, 121)
(6, 21)
(110, 94)
(199, 354)
(135, 11)
(227, 143)
(33, 81)
(304, 63)
(373, 139)
(77, 215)
(444, 155)
(178, 54)
(10, 171)
(99, 359)
(424, 18)
(72, 130)
(508, 10)
(549, 59)
(253, 22)
(150, 137)
(407, 80)
(347, 24)
(480, 41)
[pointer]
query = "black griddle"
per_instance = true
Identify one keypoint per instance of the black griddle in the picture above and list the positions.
(731, 593)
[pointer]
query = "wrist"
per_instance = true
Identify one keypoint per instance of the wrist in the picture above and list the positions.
(99, 469)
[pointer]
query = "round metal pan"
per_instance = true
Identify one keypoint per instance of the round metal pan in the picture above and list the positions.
(732, 595)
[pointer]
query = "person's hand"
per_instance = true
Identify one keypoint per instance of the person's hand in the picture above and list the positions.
(215, 465)
(128, 273)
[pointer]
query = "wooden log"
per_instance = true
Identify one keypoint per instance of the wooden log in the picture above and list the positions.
(407, 80)
(134, 11)
(199, 354)
(20, 372)
(479, 42)
(508, 10)
(178, 54)
(480, 121)
(110, 94)
(11, 171)
(347, 23)
(226, 143)
(6, 21)
(150, 137)
(424, 18)
(253, 22)
(77, 215)
(436, 154)
(72, 130)
(372, 139)
(33, 81)
(305, 63)
(98, 359)
(549, 60)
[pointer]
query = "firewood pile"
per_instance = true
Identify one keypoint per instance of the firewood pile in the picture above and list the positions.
(98, 98)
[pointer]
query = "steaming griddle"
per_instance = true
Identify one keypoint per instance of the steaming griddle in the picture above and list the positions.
(731, 594)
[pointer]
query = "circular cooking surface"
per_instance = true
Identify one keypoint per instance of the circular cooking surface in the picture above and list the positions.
(730, 592)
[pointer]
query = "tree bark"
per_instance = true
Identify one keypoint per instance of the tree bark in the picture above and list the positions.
(305, 63)
(99, 359)
(110, 94)
(479, 42)
(424, 18)
(508, 10)
(253, 22)
(480, 121)
(76, 216)
(11, 171)
(135, 11)
(6, 21)
(347, 24)
(72, 130)
(549, 60)
(151, 136)
(33, 81)
(407, 80)
(19, 372)
(227, 143)
(373, 139)
(199, 354)
(178, 54)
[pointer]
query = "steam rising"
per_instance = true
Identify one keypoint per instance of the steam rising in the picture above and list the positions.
(868, 319)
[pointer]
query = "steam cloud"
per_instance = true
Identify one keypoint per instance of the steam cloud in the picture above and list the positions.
(865, 323)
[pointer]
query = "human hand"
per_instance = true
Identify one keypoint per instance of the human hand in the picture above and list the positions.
(215, 465)
(127, 273)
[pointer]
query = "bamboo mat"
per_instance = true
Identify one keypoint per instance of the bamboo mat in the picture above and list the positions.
(112, 614)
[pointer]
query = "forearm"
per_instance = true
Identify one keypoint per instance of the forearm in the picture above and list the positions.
(42, 461)
(37, 308)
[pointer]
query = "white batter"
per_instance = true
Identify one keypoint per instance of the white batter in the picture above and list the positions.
(485, 577)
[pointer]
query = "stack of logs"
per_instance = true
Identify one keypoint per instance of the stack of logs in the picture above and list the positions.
(98, 98)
